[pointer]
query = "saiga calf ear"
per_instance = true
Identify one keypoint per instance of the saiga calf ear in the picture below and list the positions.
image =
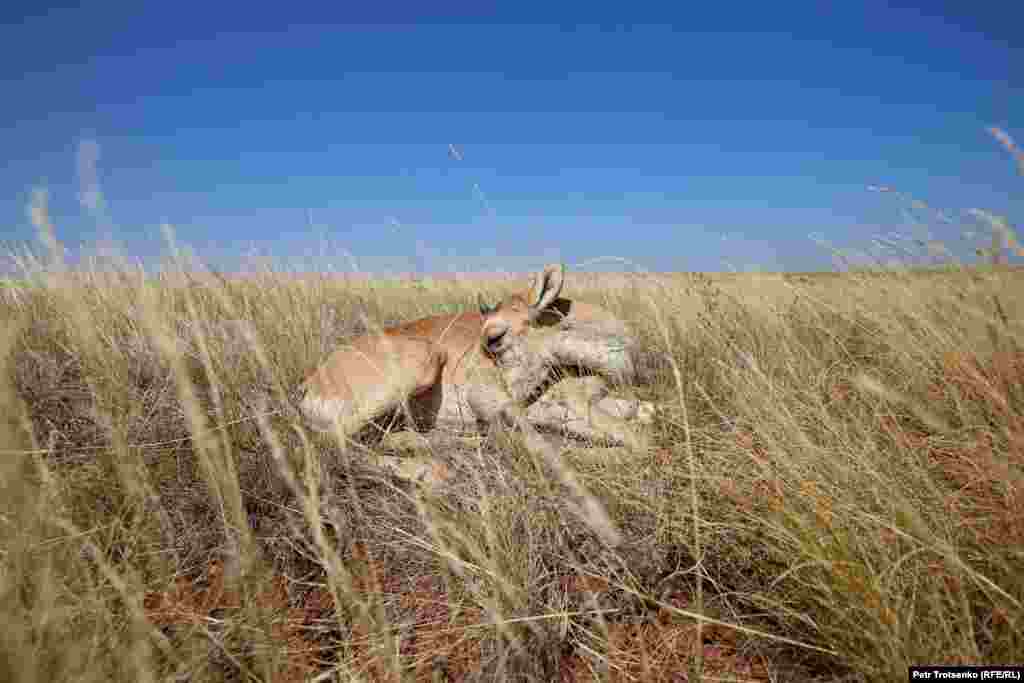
(547, 285)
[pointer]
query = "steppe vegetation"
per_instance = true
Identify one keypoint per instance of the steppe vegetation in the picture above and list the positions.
(835, 488)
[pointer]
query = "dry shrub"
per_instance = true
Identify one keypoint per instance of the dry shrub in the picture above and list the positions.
(191, 605)
(433, 635)
(660, 649)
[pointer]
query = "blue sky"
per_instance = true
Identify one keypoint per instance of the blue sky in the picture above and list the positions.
(705, 137)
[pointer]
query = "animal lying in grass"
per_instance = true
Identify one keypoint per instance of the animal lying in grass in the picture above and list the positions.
(458, 371)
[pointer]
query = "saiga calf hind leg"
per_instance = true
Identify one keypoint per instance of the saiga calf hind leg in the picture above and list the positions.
(370, 378)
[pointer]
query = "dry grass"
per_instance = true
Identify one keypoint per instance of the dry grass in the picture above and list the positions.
(836, 489)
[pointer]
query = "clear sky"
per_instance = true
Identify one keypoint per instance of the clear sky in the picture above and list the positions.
(702, 136)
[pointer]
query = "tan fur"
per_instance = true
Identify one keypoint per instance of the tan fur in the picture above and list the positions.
(470, 367)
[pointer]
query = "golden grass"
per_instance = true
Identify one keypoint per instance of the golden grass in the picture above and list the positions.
(836, 489)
